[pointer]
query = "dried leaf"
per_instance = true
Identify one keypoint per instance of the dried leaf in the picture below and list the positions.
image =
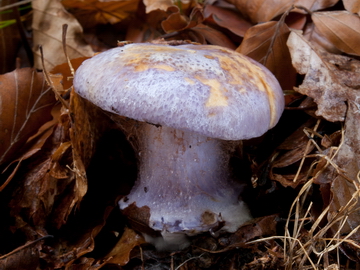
(266, 43)
(352, 6)
(312, 34)
(332, 81)
(48, 18)
(296, 20)
(213, 36)
(296, 145)
(341, 28)
(152, 5)
(24, 257)
(261, 10)
(258, 227)
(40, 193)
(175, 21)
(227, 19)
(320, 83)
(92, 12)
(348, 159)
(315, 4)
(120, 254)
(25, 105)
(61, 75)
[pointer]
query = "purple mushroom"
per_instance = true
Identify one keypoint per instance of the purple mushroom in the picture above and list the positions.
(192, 104)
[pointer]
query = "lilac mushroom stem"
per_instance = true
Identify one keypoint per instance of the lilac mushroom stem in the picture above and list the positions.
(184, 178)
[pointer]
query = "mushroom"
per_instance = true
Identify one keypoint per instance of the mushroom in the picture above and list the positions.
(192, 103)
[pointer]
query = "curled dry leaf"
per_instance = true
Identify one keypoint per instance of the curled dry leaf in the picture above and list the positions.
(266, 43)
(40, 192)
(341, 28)
(120, 254)
(315, 4)
(345, 187)
(92, 12)
(152, 5)
(178, 22)
(258, 227)
(213, 36)
(296, 144)
(320, 82)
(159, 4)
(332, 81)
(23, 257)
(227, 19)
(261, 10)
(25, 105)
(352, 6)
(48, 18)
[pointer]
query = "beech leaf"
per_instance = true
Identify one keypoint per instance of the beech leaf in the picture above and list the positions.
(159, 4)
(266, 43)
(227, 19)
(25, 105)
(102, 12)
(261, 10)
(341, 28)
(315, 4)
(48, 18)
(352, 6)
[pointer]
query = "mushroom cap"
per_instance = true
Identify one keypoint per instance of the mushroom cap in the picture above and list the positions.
(208, 89)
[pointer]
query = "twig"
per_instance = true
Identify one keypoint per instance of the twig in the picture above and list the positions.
(25, 246)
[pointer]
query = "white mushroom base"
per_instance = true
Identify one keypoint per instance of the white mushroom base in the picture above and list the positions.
(185, 181)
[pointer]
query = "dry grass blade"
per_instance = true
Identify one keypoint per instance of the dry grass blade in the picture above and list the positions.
(314, 241)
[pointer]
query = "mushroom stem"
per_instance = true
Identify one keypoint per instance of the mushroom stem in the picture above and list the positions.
(185, 181)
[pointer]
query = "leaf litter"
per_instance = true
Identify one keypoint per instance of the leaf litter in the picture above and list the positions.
(304, 173)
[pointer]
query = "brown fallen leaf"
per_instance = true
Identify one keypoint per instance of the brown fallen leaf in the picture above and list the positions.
(296, 144)
(266, 43)
(312, 34)
(24, 257)
(152, 5)
(92, 12)
(332, 81)
(176, 21)
(213, 36)
(341, 28)
(227, 19)
(120, 254)
(26, 103)
(296, 19)
(259, 227)
(48, 18)
(39, 191)
(261, 10)
(320, 82)
(352, 6)
(313, 5)
(345, 187)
